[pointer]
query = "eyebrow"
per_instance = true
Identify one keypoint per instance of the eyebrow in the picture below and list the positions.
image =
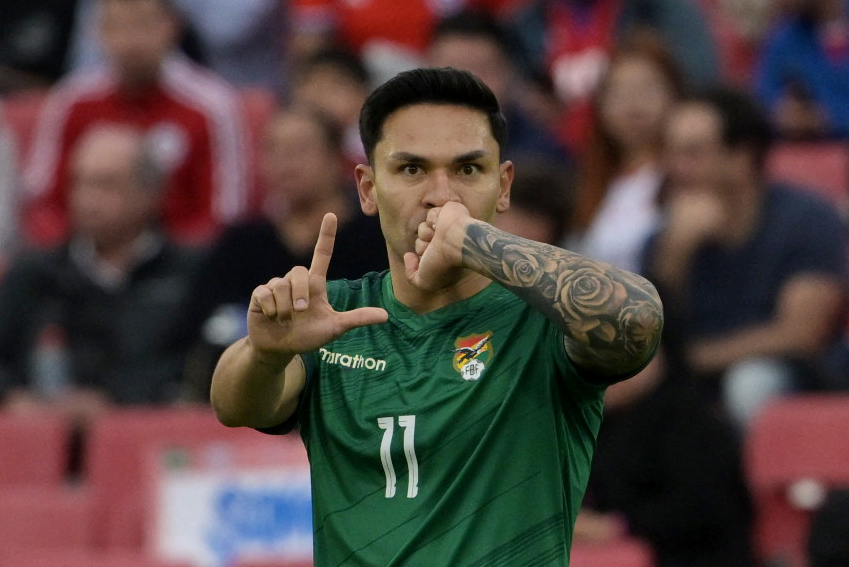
(413, 158)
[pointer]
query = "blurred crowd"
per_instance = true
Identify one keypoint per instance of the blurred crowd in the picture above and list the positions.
(159, 159)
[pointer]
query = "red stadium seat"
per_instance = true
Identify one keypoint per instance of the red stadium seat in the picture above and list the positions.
(54, 517)
(33, 449)
(116, 456)
(820, 166)
(621, 553)
(805, 439)
(80, 558)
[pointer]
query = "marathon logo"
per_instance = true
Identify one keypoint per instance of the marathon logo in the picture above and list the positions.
(352, 361)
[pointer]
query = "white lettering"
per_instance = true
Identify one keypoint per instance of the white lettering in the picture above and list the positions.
(352, 361)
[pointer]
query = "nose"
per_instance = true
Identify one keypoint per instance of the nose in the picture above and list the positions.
(440, 190)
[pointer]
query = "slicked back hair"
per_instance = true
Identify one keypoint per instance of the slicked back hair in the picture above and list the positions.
(428, 86)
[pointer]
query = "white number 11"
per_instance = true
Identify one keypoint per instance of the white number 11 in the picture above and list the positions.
(408, 424)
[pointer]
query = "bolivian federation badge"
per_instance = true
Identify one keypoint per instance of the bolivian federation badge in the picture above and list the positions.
(472, 354)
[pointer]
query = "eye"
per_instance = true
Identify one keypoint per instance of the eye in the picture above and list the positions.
(469, 168)
(410, 168)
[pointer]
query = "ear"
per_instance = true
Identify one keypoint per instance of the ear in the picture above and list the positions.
(505, 183)
(365, 189)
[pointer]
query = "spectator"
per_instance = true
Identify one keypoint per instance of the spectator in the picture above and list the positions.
(540, 200)
(571, 41)
(334, 82)
(616, 208)
(303, 166)
(192, 116)
(669, 471)
(34, 39)
(389, 36)
(475, 42)
(756, 272)
(803, 72)
(104, 298)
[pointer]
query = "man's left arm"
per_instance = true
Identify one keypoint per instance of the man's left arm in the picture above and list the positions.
(611, 318)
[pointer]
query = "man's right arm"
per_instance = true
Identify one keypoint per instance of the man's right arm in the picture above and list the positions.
(259, 379)
(253, 389)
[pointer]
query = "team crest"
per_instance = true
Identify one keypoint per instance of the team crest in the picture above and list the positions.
(472, 354)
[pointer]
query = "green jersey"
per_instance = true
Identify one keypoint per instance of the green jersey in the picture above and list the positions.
(462, 437)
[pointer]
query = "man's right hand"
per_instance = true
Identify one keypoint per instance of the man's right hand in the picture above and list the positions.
(291, 315)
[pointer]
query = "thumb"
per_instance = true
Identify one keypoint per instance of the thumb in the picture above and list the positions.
(411, 265)
(361, 317)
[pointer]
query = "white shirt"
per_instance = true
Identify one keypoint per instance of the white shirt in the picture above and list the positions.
(626, 218)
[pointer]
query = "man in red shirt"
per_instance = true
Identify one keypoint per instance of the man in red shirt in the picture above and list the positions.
(192, 118)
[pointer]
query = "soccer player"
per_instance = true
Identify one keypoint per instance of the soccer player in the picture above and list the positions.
(449, 406)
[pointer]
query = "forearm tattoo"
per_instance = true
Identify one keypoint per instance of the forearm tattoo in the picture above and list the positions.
(612, 319)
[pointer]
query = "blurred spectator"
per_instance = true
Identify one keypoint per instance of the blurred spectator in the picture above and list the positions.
(193, 119)
(668, 470)
(616, 208)
(306, 177)
(572, 40)
(803, 74)
(334, 82)
(757, 273)
(540, 199)
(83, 324)
(475, 42)
(34, 39)
(828, 539)
(86, 49)
(390, 36)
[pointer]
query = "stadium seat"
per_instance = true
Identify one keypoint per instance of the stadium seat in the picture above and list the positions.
(116, 453)
(80, 558)
(626, 552)
(33, 449)
(820, 166)
(52, 517)
(796, 449)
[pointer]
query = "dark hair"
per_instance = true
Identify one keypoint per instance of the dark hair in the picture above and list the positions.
(744, 123)
(340, 59)
(428, 86)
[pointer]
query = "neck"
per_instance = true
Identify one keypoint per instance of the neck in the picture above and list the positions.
(633, 160)
(464, 285)
(298, 228)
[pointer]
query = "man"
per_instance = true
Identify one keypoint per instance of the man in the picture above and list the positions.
(83, 323)
(802, 74)
(756, 273)
(193, 118)
(448, 420)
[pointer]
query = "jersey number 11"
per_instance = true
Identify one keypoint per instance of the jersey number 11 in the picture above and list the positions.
(408, 424)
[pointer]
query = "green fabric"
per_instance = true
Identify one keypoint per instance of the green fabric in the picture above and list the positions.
(500, 462)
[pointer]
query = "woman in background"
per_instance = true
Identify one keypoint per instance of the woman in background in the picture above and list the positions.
(620, 174)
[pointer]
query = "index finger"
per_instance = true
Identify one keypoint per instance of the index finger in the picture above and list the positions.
(324, 246)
